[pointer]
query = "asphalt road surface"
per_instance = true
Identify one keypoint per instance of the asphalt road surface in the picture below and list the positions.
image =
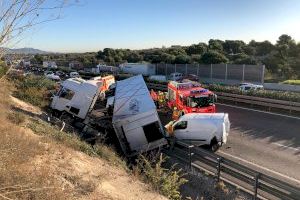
(269, 143)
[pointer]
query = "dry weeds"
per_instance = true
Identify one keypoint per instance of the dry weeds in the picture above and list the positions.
(52, 166)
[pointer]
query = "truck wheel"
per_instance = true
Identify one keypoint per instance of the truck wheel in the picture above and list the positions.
(214, 146)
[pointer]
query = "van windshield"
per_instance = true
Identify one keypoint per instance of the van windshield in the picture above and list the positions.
(202, 101)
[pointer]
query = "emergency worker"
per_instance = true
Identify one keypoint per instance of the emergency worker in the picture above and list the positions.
(161, 99)
(171, 136)
(176, 114)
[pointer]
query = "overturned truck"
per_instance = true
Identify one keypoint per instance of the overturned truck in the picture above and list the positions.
(135, 119)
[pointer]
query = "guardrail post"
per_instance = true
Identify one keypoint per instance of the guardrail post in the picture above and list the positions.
(226, 72)
(243, 72)
(219, 160)
(211, 71)
(263, 75)
(166, 70)
(190, 156)
(186, 69)
(256, 183)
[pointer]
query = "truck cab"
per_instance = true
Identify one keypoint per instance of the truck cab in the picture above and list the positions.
(105, 83)
(76, 97)
(190, 97)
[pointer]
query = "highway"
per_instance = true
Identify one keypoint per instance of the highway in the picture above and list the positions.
(267, 142)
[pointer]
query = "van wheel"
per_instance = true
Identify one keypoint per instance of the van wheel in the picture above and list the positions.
(214, 146)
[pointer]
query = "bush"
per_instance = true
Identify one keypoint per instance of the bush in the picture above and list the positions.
(3, 69)
(165, 181)
(74, 142)
(34, 89)
(292, 82)
(16, 117)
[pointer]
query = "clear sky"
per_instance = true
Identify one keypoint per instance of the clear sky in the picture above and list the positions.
(136, 24)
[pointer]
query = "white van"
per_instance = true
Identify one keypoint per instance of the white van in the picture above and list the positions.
(74, 75)
(202, 129)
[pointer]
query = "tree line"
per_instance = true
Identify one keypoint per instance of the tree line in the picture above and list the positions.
(282, 58)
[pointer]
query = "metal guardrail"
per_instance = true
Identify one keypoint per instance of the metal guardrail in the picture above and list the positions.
(253, 182)
(252, 100)
(266, 102)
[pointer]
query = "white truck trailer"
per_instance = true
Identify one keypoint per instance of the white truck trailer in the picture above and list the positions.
(138, 68)
(135, 119)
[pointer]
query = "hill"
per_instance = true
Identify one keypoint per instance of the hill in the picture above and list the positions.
(25, 50)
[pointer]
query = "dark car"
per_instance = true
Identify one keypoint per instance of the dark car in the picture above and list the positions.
(192, 77)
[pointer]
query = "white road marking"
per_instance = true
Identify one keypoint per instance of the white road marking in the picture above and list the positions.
(271, 113)
(288, 147)
(259, 166)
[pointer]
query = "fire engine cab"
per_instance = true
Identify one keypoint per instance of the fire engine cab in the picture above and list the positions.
(105, 83)
(190, 97)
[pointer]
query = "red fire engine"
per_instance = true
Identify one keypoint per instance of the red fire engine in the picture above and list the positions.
(190, 97)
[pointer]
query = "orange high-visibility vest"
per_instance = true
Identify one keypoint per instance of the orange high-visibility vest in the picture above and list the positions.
(175, 115)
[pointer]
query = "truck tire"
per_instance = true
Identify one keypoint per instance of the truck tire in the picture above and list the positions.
(214, 146)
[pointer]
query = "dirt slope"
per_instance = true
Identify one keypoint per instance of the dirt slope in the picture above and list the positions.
(33, 167)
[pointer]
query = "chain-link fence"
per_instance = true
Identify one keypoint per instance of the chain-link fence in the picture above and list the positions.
(224, 73)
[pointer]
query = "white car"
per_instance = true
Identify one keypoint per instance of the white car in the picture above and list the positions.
(52, 76)
(175, 76)
(74, 75)
(245, 87)
(161, 78)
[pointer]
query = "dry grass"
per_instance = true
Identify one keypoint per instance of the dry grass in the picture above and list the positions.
(17, 147)
(52, 133)
(55, 165)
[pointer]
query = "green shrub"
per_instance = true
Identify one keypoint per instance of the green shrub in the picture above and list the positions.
(3, 69)
(165, 181)
(34, 89)
(291, 82)
(73, 141)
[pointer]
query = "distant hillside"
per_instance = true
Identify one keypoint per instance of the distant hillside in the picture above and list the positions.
(25, 51)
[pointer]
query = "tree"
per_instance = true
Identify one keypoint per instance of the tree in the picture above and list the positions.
(176, 51)
(284, 39)
(262, 48)
(233, 46)
(196, 58)
(19, 16)
(134, 57)
(213, 57)
(196, 49)
(216, 45)
(182, 59)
